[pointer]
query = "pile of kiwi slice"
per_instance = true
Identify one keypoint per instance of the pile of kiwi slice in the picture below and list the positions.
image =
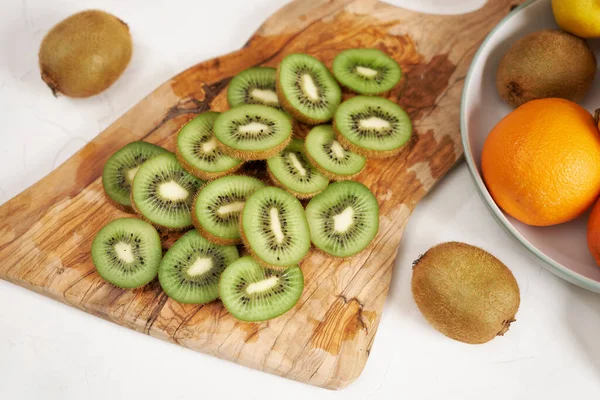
(206, 184)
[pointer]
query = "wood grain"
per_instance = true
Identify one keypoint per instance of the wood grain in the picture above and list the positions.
(46, 231)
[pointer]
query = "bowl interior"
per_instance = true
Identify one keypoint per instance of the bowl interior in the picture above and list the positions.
(564, 246)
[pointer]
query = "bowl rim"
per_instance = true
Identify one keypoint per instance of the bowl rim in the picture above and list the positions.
(549, 263)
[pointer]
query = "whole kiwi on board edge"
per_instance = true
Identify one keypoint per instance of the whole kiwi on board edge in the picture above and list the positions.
(84, 54)
(465, 292)
(547, 63)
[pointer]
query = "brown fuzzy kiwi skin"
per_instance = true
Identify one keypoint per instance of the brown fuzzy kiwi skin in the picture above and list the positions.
(546, 63)
(298, 195)
(366, 152)
(259, 260)
(330, 175)
(154, 224)
(204, 175)
(86, 36)
(454, 277)
(287, 106)
(253, 155)
(206, 234)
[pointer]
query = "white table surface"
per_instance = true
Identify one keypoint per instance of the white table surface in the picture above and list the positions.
(51, 351)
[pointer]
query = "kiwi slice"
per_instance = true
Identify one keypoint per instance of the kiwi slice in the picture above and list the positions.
(126, 252)
(330, 157)
(216, 212)
(253, 86)
(163, 192)
(291, 171)
(190, 271)
(274, 228)
(366, 71)
(253, 132)
(197, 149)
(465, 292)
(343, 219)
(252, 293)
(372, 126)
(120, 169)
(306, 89)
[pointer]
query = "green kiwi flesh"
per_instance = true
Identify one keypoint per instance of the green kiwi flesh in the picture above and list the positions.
(191, 269)
(253, 293)
(198, 152)
(253, 132)
(330, 157)
(366, 71)
(253, 86)
(306, 89)
(126, 252)
(292, 171)
(274, 228)
(465, 292)
(218, 206)
(121, 167)
(343, 219)
(163, 192)
(372, 126)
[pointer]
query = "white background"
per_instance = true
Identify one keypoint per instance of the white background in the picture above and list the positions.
(51, 351)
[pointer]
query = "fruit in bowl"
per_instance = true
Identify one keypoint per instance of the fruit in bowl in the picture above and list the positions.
(547, 63)
(541, 163)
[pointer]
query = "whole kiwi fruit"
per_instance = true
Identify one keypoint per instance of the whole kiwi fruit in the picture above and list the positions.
(84, 54)
(547, 63)
(465, 292)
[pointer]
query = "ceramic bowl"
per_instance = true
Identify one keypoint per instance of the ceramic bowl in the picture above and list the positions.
(561, 248)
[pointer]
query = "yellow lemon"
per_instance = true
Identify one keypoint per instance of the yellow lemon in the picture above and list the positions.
(580, 17)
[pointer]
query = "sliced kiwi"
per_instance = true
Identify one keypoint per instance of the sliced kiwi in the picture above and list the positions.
(218, 206)
(366, 71)
(291, 171)
(253, 86)
(330, 157)
(372, 126)
(274, 228)
(252, 293)
(253, 132)
(343, 219)
(198, 152)
(465, 292)
(306, 89)
(190, 270)
(127, 252)
(121, 167)
(163, 192)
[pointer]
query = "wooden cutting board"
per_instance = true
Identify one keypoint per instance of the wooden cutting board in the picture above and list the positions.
(46, 231)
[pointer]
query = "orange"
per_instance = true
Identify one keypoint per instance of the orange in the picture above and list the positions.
(593, 232)
(541, 163)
